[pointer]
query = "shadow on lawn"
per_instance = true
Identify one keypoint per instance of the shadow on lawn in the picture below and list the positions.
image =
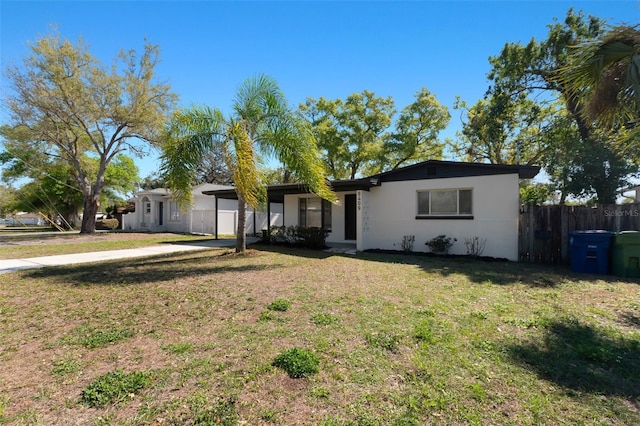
(582, 358)
(145, 270)
(481, 271)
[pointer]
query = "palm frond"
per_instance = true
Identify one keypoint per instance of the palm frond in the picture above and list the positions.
(605, 75)
(189, 136)
(294, 145)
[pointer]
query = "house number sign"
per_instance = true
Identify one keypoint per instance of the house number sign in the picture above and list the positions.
(359, 200)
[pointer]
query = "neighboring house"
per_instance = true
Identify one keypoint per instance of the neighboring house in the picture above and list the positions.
(157, 211)
(459, 200)
(26, 219)
(636, 193)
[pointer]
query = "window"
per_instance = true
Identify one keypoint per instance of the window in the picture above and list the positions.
(147, 208)
(174, 212)
(445, 203)
(314, 212)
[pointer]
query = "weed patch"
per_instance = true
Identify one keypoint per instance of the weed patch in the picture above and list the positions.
(114, 387)
(92, 338)
(297, 362)
(324, 319)
(279, 305)
(386, 341)
(178, 348)
(221, 412)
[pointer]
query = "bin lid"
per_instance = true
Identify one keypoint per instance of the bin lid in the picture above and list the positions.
(628, 237)
(592, 232)
(598, 237)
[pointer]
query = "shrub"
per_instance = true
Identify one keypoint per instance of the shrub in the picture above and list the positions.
(441, 244)
(297, 362)
(407, 242)
(280, 305)
(113, 387)
(107, 224)
(314, 238)
(475, 246)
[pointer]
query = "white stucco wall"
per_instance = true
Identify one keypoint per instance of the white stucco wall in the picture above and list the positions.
(393, 208)
(291, 215)
(387, 213)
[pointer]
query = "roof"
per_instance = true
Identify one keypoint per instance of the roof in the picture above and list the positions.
(431, 169)
(196, 190)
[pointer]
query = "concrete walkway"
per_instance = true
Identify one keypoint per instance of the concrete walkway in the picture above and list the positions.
(11, 265)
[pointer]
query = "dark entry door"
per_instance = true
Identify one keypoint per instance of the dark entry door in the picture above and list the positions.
(160, 213)
(350, 217)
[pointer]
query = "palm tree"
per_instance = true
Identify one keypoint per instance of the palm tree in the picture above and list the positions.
(606, 75)
(261, 124)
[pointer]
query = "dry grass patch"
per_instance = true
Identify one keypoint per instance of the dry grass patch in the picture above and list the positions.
(399, 340)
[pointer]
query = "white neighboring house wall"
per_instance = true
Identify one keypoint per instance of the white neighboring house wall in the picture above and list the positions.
(29, 219)
(156, 211)
(255, 223)
(386, 213)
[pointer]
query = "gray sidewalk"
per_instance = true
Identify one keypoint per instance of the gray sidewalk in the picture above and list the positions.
(11, 265)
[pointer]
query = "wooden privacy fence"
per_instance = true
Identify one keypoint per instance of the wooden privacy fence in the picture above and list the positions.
(544, 230)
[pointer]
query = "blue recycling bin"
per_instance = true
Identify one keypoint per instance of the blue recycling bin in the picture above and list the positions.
(590, 251)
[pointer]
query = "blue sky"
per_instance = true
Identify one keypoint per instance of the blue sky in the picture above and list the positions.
(312, 49)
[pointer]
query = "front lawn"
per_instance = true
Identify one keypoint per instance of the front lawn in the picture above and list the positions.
(49, 244)
(192, 338)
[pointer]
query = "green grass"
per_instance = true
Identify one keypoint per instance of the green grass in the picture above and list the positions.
(17, 247)
(114, 387)
(279, 305)
(399, 339)
(91, 338)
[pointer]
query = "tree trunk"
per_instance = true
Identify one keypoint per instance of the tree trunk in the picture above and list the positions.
(241, 235)
(89, 215)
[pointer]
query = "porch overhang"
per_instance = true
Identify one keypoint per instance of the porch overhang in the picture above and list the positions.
(276, 193)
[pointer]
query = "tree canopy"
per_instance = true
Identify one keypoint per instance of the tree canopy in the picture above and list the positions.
(64, 102)
(51, 187)
(529, 114)
(362, 135)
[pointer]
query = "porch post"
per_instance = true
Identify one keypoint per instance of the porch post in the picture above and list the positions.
(215, 216)
(255, 223)
(268, 218)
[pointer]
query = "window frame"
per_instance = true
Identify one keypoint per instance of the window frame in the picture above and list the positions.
(325, 213)
(449, 215)
(174, 209)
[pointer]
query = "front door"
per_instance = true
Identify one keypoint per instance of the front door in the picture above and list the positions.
(350, 217)
(160, 213)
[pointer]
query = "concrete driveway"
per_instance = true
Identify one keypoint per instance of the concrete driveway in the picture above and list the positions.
(11, 265)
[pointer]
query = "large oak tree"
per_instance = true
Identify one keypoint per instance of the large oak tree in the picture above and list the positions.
(362, 135)
(64, 101)
(528, 101)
